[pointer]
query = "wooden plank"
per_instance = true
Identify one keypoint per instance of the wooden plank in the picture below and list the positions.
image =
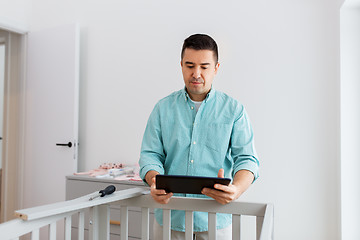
(128, 197)
(18, 227)
(259, 224)
(166, 224)
(124, 219)
(212, 226)
(81, 225)
(52, 231)
(189, 225)
(200, 204)
(267, 230)
(68, 228)
(104, 222)
(145, 223)
(76, 204)
(94, 223)
(236, 227)
(35, 234)
(113, 222)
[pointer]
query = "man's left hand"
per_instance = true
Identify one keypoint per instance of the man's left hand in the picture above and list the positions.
(226, 194)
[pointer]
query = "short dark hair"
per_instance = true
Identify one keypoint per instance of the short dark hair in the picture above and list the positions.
(200, 42)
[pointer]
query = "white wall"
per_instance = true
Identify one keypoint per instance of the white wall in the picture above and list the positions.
(280, 58)
(350, 119)
(15, 13)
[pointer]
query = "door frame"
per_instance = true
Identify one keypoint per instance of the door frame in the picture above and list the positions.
(15, 38)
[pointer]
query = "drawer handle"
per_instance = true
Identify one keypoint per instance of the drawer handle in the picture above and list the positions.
(113, 222)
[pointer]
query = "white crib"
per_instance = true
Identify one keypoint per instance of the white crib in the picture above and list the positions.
(32, 219)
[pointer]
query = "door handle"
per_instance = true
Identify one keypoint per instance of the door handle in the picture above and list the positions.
(69, 144)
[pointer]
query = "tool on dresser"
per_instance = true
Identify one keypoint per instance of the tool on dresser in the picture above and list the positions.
(107, 191)
(121, 171)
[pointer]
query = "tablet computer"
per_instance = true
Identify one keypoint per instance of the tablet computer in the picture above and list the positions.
(187, 184)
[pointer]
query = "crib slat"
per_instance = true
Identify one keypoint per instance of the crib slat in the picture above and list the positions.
(104, 222)
(52, 231)
(124, 218)
(93, 223)
(212, 226)
(35, 234)
(259, 223)
(267, 229)
(81, 226)
(236, 227)
(166, 224)
(145, 223)
(189, 225)
(68, 228)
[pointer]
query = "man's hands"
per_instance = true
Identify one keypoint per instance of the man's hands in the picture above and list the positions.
(222, 193)
(226, 194)
(159, 195)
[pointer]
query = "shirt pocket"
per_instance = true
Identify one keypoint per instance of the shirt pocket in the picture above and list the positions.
(218, 136)
(175, 135)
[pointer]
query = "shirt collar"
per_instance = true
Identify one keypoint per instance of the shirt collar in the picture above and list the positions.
(208, 96)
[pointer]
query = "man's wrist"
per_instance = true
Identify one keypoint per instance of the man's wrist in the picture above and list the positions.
(243, 179)
(149, 176)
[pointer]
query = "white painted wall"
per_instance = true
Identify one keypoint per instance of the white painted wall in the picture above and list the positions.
(280, 58)
(350, 119)
(15, 13)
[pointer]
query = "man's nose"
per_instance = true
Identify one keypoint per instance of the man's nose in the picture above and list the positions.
(196, 73)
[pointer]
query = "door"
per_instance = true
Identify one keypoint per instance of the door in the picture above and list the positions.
(51, 113)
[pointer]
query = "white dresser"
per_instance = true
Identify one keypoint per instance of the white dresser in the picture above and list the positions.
(77, 186)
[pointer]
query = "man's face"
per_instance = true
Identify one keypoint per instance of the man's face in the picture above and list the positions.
(199, 69)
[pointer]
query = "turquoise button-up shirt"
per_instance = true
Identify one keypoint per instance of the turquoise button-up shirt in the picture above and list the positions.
(180, 141)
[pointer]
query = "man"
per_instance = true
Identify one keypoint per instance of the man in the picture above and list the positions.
(199, 131)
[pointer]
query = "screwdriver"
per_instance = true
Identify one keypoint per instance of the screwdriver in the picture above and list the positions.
(107, 191)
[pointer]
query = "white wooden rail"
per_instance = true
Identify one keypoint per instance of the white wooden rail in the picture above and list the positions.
(32, 219)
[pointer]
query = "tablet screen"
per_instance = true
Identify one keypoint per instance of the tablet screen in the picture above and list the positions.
(187, 184)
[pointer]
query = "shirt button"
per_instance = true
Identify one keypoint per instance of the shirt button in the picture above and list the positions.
(192, 161)
(194, 142)
(192, 107)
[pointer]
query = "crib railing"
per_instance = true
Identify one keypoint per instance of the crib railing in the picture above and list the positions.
(32, 219)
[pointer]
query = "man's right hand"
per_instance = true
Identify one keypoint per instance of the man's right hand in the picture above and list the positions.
(159, 195)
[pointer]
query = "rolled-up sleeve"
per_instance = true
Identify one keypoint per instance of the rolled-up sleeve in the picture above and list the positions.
(152, 154)
(242, 145)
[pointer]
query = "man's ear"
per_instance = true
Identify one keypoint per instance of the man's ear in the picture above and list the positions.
(181, 63)
(217, 65)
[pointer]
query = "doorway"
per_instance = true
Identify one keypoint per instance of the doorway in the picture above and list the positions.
(11, 117)
(23, 122)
